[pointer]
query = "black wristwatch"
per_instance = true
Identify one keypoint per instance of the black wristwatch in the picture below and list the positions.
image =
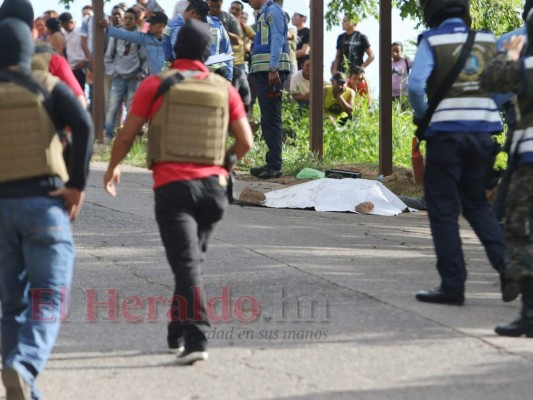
(273, 69)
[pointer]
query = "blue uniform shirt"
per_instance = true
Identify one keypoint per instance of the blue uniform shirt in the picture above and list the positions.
(276, 18)
(153, 46)
(221, 43)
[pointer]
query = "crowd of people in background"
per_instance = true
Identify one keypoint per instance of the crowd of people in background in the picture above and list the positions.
(207, 61)
(135, 48)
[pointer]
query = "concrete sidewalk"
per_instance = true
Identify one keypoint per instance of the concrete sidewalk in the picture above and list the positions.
(359, 332)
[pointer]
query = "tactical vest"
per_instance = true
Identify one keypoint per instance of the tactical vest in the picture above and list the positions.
(263, 40)
(191, 125)
(466, 107)
(41, 62)
(29, 144)
(523, 135)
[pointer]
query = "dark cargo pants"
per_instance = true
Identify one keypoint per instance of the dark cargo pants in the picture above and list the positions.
(186, 212)
(271, 117)
(454, 181)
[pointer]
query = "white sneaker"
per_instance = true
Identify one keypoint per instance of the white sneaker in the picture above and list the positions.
(16, 387)
(176, 350)
(190, 357)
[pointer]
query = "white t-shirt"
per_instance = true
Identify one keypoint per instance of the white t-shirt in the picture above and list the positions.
(87, 30)
(300, 85)
(75, 52)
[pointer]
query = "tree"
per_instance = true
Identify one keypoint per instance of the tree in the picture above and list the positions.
(66, 3)
(497, 16)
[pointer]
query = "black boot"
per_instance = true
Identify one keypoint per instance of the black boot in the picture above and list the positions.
(523, 325)
(510, 289)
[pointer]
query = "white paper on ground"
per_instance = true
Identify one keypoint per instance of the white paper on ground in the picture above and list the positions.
(337, 195)
(218, 58)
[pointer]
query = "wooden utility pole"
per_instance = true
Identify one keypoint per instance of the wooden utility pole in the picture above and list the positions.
(385, 88)
(97, 104)
(317, 73)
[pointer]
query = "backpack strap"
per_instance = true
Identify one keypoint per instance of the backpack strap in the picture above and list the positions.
(408, 68)
(173, 78)
(445, 86)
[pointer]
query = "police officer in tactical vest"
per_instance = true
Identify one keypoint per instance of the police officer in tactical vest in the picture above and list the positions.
(512, 72)
(39, 196)
(190, 111)
(458, 144)
(270, 67)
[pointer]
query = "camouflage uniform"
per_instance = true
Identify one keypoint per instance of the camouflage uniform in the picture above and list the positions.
(518, 224)
(504, 75)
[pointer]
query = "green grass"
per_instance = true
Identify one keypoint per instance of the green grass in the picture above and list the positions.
(357, 142)
(135, 157)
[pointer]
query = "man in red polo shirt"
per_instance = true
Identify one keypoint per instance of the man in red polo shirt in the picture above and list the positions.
(190, 195)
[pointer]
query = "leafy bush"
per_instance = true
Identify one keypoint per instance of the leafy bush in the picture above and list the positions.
(357, 142)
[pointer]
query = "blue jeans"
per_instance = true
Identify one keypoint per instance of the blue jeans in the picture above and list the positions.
(454, 183)
(120, 88)
(36, 259)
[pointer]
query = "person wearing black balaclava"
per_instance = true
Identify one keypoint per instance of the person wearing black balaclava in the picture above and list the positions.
(21, 9)
(188, 157)
(38, 198)
(51, 62)
(512, 71)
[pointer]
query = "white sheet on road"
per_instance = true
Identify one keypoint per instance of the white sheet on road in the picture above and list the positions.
(337, 195)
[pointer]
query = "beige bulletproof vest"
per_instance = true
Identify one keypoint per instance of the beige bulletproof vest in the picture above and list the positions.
(41, 61)
(191, 125)
(29, 144)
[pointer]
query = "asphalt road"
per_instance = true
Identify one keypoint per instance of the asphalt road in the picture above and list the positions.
(305, 305)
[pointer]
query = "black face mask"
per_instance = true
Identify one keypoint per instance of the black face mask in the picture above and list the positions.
(194, 41)
(17, 44)
(21, 9)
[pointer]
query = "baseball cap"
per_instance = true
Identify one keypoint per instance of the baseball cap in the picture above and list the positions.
(157, 18)
(339, 77)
